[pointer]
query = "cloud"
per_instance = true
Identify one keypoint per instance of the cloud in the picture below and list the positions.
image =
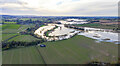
(60, 7)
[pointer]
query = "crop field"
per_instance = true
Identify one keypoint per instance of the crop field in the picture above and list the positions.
(25, 55)
(0, 27)
(10, 22)
(15, 28)
(0, 36)
(24, 27)
(79, 49)
(7, 36)
(10, 26)
(24, 38)
(10, 30)
(76, 50)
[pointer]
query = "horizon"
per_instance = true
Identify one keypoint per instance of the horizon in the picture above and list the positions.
(59, 7)
(57, 16)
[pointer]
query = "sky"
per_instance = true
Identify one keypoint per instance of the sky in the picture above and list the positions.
(59, 7)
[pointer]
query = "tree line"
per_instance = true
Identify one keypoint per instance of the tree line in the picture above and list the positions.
(15, 44)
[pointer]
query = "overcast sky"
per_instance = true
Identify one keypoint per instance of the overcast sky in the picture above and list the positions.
(60, 7)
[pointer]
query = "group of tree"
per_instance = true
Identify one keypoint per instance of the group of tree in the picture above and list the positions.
(30, 30)
(15, 44)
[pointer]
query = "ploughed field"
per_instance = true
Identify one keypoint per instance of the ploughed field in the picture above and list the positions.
(76, 50)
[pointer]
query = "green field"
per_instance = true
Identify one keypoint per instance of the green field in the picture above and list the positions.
(10, 26)
(95, 25)
(7, 36)
(10, 22)
(26, 55)
(24, 27)
(10, 30)
(79, 49)
(24, 38)
(76, 50)
(0, 27)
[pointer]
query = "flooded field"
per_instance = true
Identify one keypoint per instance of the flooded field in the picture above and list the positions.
(102, 36)
(61, 30)
(64, 33)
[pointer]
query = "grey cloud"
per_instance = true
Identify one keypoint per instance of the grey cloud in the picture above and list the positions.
(94, 8)
(2, 2)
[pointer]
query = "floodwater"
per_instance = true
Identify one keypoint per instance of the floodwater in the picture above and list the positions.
(61, 30)
(102, 36)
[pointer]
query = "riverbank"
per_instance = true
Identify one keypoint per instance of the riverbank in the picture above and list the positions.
(59, 33)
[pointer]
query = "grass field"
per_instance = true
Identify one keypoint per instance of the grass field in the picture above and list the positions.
(0, 27)
(76, 50)
(26, 55)
(94, 25)
(7, 36)
(26, 38)
(0, 36)
(10, 30)
(10, 26)
(24, 27)
(10, 22)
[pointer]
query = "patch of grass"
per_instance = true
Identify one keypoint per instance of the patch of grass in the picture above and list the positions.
(24, 38)
(10, 31)
(88, 25)
(25, 55)
(7, 36)
(0, 36)
(10, 22)
(10, 26)
(42, 25)
(24, 27)
(94, 25)
(13, 29)
(76, 50)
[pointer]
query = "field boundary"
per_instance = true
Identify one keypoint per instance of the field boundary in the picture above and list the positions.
(40, 55)
(10, 38)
